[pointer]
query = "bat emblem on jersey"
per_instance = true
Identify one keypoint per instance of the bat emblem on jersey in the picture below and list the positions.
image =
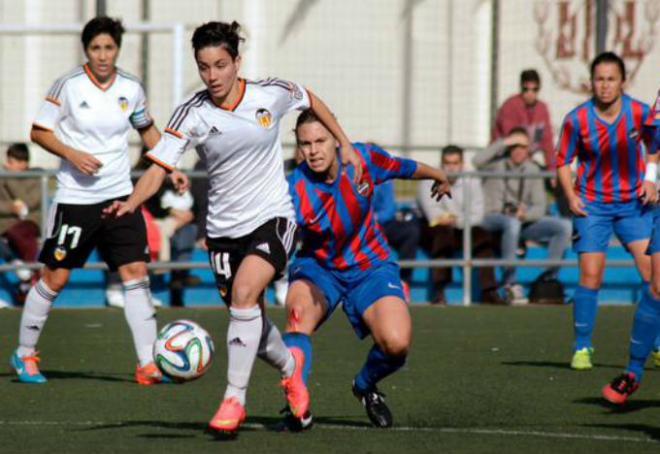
(264, 118)
(60, 253)
(363, 188)
(633, 134)
(123, 103)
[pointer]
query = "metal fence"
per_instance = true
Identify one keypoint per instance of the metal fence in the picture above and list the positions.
(467, 262)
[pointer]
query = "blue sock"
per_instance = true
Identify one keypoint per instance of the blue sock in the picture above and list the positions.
(378, 366)
(585, 308)
(644, 332)
(303, 342)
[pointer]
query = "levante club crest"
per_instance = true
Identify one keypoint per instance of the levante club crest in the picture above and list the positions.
(567, 34)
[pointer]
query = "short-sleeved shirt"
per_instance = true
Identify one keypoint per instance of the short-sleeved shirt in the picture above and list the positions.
(87, 117)
(611, 156)
(242, 149)
(337, 219)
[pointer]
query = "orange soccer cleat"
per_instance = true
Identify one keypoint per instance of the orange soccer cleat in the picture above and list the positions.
(294, 386)
(229, 417)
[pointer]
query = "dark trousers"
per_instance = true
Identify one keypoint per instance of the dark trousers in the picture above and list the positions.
(403, 237)
(444, 242)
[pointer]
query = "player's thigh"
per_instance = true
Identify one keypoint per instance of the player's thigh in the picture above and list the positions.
(252, 277)
(634, 223)
(122, 242)
(592, 233)
(638, 249)
(72, 234)
(389, 321)
(382, 282)
(306, 307)
(314, 294)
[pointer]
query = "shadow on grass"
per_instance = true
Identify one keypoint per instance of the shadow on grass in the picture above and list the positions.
(257, 423)
(630, 407)
(556, 364)
(650, 431)
(68, 375)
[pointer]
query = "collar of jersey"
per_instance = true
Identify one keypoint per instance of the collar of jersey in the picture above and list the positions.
(238, 100)
(624, 107)
(93, 79)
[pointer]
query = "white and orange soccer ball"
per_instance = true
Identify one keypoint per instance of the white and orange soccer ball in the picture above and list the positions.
(183, 350)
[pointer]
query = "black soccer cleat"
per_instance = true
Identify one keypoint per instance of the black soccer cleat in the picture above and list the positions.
(374, 402)
(291, 423)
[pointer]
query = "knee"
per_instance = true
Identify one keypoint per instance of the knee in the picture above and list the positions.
(590, 280)
(243, 296)
(512, 226)
(300, 318)
(55, 281)
(132, 271)
(396, 345)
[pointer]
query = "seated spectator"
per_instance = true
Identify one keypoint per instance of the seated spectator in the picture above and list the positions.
(20, 216)
(526, 110)
(516, 207)
(443, 226)
(401, 228)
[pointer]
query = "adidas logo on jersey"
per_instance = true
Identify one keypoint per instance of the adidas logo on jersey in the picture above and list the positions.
(264, 247)
(84, 105)
(214, 131)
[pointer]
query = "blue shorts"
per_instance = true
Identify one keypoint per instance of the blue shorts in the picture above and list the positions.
(357, 290)
(654, 245)
(630, 221)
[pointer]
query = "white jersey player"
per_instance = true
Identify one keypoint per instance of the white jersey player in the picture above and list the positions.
(85, 120)
(234, 123)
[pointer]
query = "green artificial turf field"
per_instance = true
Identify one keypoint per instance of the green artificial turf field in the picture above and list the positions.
(482, 379)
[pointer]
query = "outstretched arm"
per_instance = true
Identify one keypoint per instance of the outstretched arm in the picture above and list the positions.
(145, 188)
(441, 187)
(348, 155)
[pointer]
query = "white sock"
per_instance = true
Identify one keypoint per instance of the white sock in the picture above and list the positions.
(243, 336)
(141, 318)
(273, 350)
(39, 300)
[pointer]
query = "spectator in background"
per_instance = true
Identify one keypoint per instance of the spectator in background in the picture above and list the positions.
(516, 207)
(20, 217)
(526, 110)
(443, 226)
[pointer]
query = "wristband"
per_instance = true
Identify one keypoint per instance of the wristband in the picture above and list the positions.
(651, 172)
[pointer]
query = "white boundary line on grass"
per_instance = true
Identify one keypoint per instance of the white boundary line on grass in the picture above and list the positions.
(324, 426)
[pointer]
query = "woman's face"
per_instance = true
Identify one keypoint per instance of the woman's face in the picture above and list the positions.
(102, 53)
(317, 146)
(218, 70)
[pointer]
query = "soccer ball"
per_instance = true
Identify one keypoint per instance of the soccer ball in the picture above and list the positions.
(183, 350)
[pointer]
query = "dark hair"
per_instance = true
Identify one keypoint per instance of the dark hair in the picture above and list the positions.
(519, 130)
(19, 151)
(306, 116)
(220, 34)
(452, 150)
(530, 75)
(100, 25)
(609, 57)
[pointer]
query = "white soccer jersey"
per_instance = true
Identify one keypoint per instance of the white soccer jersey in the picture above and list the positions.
(89, 118)
(243, 153)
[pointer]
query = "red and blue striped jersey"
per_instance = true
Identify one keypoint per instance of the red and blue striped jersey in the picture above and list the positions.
(337, 219)
(611, 156)
(653, 127)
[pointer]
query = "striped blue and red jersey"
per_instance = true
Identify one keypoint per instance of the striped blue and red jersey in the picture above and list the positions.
(337, 219)
(611, 156)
